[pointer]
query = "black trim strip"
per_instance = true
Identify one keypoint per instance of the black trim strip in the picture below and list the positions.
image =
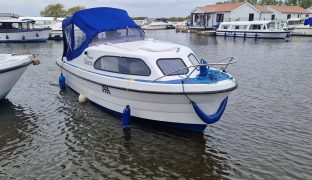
(23, 30)
(156, 92)
(15, 67)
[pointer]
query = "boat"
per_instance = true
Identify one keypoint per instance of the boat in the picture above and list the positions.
(15, 30)
(12, 67)
(55, 24)
(110, 62)
(253, 29)
(158, 24)
(299, 28)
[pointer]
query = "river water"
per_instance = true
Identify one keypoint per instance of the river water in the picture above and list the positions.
(265, 132)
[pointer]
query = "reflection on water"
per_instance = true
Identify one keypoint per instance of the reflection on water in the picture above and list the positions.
(265, 132)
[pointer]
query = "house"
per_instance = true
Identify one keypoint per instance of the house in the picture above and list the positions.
(211, 16)
(310, 9)
(282, 13)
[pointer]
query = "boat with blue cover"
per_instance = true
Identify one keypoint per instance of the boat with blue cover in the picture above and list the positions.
(300, 27)
(108, 60)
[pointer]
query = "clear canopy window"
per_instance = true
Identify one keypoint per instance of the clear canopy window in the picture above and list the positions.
(122, 65)
(117, 36)
(172, 66)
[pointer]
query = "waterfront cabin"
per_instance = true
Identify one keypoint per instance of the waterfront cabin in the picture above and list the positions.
(211, 16)
(283, 13)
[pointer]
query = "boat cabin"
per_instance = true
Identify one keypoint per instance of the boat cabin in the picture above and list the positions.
(295, 21)
(250, 26)
(15, 24)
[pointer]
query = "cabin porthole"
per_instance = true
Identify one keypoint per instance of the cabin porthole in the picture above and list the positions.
(37, 35)
(7, 37)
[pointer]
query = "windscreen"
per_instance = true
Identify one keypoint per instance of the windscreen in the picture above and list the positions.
(118, 36)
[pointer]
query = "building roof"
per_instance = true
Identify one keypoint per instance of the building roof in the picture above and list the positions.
(289, 9)
(262, 9)
(226, 7)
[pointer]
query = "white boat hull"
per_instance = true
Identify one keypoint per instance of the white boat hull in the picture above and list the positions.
(25, 36)
(56, 35)
(168, 108)
(304, 31)
(10, 74)
(249, 34)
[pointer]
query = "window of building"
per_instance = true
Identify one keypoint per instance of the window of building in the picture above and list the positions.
(172, 66)
(220, 17)
(288, 16)
(122, 65)
(273, 17)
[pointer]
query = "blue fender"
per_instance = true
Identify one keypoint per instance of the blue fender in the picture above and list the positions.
(126, 115)
(209, 119)
(62, 83)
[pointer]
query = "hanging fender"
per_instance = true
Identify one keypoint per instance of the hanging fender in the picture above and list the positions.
(209, 119)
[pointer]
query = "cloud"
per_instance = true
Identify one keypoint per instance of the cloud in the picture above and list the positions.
(150, 8)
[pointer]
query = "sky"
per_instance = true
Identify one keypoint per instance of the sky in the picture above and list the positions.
(135, 8)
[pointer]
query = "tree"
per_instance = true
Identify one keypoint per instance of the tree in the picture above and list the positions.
(53, 10)
(305, 3)
(74, 9)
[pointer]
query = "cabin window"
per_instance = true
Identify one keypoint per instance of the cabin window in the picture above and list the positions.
(14, 26)
(68, 37)
(168, 66)
(255, 27)
(122, 65)
(193, 59)
(307, 15)
(241, 27)
(271, 25)
(80, 37)
(225, 27)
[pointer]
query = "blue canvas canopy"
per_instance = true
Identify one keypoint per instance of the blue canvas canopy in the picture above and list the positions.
(84, 25)
(308, 21)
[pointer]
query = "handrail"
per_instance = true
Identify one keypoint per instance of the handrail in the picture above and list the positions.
(197, 65)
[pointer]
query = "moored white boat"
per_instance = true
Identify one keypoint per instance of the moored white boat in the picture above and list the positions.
(55, 24)
(12, 68)
(115, 66)
(158, 25)
(299, 28)
(252, 29)
(15, 30)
